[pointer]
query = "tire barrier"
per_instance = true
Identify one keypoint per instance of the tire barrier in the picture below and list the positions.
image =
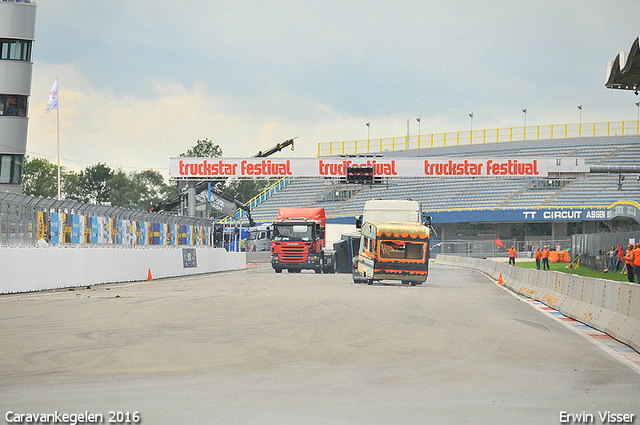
(609, 306)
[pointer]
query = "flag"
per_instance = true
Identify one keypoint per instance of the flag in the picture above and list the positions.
(499, 243)
(436, 245)
(53, 98)
(620, 252)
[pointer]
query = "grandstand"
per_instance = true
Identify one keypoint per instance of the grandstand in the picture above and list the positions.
(483, 193)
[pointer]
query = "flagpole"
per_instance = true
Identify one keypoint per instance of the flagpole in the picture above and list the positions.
(58, 143)
(51, 105)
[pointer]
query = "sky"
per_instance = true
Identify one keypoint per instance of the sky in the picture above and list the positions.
(142, 81)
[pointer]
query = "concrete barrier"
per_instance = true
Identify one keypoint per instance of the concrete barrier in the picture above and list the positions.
(609, 306)
(34, 269)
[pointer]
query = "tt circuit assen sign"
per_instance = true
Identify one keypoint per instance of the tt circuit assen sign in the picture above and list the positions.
(627, 209)
(382, 167)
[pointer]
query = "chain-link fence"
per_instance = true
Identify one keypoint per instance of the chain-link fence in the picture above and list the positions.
(489, 248)
(599, 243)
(594, 248)
(26, 221)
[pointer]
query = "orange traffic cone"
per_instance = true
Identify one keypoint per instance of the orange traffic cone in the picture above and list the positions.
(149, 277)
(500, 282)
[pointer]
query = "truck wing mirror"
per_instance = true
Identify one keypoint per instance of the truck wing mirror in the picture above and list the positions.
(358, 222)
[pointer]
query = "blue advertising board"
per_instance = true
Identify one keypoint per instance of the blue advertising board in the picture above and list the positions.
(544, 214)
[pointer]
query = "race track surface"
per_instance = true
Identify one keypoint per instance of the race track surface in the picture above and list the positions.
(252, 347)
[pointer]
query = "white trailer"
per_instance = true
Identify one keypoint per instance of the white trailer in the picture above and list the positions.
(387, 210)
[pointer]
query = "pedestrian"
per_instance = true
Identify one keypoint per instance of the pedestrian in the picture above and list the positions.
(612, 253)
(545, 258)
(538, 257)
(636, 262)
(628, 259)
(512, 256)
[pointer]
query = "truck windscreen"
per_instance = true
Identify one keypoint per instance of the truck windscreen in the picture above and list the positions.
(293, 232)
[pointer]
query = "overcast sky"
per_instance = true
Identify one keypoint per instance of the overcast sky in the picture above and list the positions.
(141, 81)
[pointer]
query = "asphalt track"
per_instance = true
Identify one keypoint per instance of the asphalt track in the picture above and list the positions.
(252, 347)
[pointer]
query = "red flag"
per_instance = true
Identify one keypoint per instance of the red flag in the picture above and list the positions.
(620, 252)
(499, 243)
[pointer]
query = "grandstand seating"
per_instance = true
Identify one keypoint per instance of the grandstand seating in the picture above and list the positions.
(466, 193)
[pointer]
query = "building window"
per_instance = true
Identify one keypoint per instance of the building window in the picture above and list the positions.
(13, 105)
(11, 169)
(18, 50)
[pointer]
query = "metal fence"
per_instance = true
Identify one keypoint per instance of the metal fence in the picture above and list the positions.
(489, 249)
(26, 221)
(599, 243)
(593, 248)
(472, 137)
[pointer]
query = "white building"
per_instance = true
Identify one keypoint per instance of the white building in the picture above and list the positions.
(17, 35)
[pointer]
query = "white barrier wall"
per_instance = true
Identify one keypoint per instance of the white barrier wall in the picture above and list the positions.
(609, 306)
(34, 269)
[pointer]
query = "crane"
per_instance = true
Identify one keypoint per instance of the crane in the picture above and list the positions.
(173, 202)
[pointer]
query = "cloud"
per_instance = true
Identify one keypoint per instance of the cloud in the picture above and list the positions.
(141, 82)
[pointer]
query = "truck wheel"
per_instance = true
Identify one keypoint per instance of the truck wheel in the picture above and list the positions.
(278, 270)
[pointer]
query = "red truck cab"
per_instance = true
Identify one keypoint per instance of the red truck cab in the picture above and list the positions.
(299, 241)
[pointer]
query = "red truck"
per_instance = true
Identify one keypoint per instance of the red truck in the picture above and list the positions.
(299, 241)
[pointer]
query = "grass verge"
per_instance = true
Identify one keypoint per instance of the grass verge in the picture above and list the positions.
(580, 271)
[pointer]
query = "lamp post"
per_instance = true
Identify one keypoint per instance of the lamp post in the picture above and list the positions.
(580, 124)
(418, 119)
(368, 124)
(524, 129)
(471, 116)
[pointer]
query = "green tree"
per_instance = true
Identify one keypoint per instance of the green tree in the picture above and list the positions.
(122, 191)
(92, 185)
(203, 149)
(40, 178)
(245, 190)
(139, 190)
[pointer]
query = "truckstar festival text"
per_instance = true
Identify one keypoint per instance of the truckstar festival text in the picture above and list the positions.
(382, 167)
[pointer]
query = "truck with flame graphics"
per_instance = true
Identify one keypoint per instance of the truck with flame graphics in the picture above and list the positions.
(393, 251)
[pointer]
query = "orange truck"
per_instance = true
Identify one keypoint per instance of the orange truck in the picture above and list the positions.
(299, 240)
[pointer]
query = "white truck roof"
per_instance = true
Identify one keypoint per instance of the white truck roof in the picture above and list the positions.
(385, 210)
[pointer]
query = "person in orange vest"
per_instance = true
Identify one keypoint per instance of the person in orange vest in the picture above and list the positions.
(628, 259)
(636, 262)
(512, 256)
(538, 256)
(545, 258)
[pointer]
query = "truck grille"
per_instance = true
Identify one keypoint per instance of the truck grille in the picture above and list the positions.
(293, 254)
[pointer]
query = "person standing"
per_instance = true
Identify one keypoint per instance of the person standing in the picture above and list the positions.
(538, 257)
(612, 253)
(629, 260)
(636, 262)
(545, 258)
(512, 256)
